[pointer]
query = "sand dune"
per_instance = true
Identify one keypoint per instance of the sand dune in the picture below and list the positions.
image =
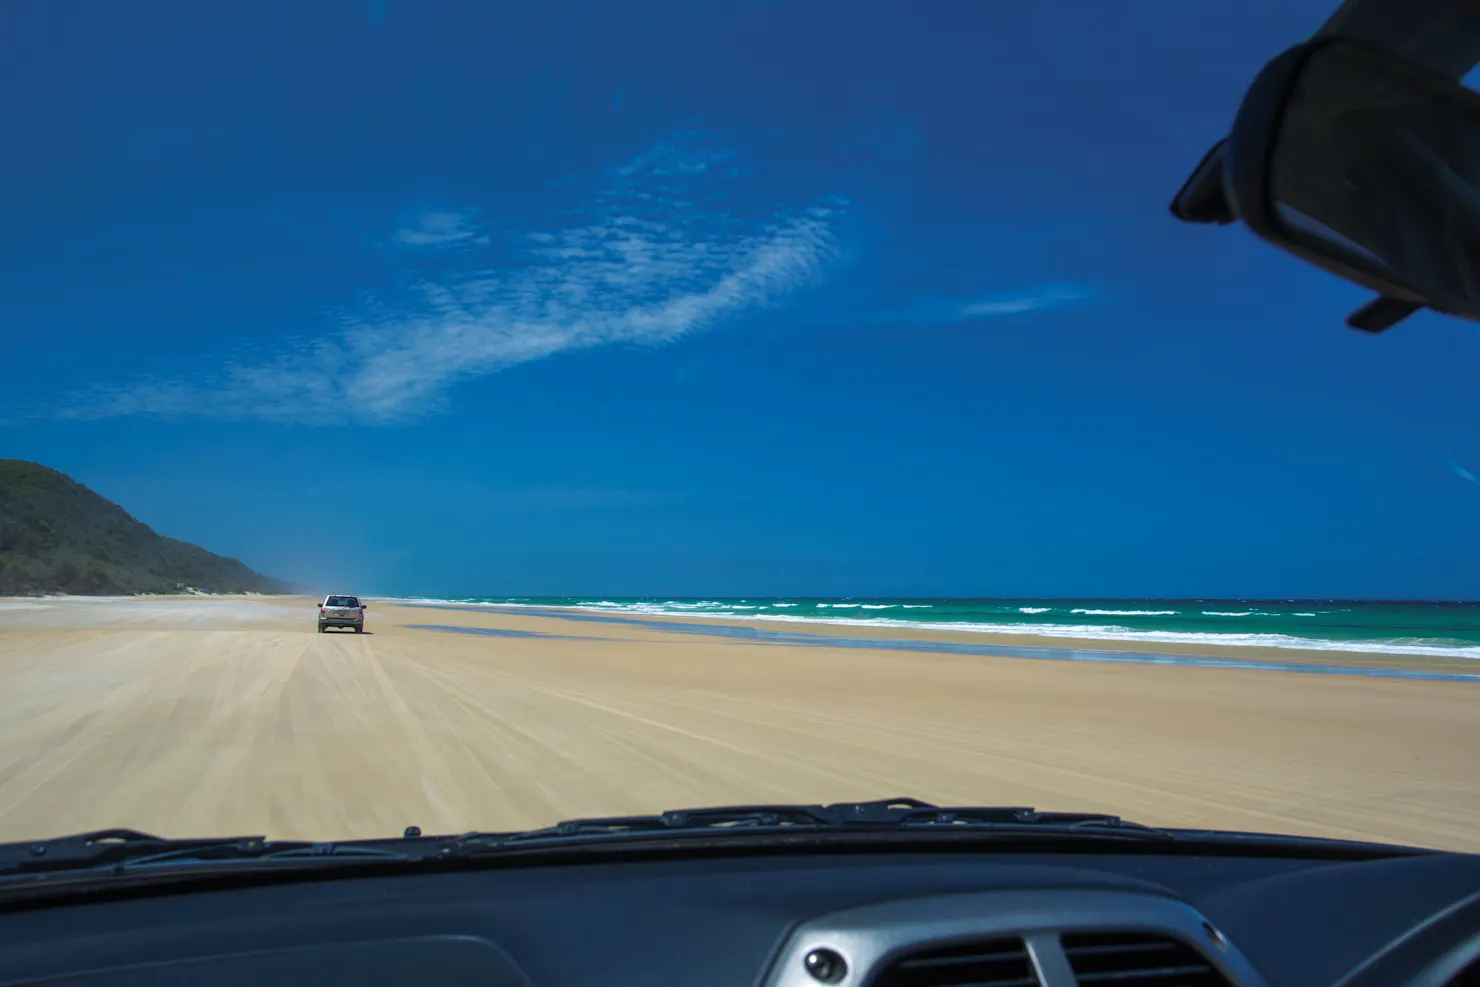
(217, 716)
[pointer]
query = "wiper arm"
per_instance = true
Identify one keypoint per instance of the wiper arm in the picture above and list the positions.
(100, 847)
(1028, 818)
(884, 815)
(125, 849)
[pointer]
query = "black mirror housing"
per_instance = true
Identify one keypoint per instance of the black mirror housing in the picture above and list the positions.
(1364, 165)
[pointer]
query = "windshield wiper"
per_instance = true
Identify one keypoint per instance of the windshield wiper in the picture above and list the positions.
(883, 815)
(126, 849)
(114, 853)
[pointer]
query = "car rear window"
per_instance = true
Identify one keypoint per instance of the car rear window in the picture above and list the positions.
(342, 601)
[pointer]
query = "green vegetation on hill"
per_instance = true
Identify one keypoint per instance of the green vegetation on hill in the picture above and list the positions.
(57, 536)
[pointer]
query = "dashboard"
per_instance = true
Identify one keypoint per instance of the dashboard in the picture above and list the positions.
(893, 920)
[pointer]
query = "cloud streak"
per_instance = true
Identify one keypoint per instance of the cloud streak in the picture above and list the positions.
(936, 310)
(442, 229)
(638, 262)
(1046, 296)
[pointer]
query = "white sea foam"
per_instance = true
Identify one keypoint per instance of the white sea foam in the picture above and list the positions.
(1126, 613)
(1033, 609)
(1228, 613)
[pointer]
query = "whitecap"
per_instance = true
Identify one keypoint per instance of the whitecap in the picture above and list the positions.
(1126, 613)
(1101, 632)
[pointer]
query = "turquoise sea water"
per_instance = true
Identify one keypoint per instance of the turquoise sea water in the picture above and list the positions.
(1393, 627)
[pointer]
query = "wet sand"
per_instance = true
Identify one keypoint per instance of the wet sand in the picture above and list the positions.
(876, 634)
(230, 715)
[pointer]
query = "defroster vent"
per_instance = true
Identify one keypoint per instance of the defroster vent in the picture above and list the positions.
(978, 963)
(1137, 960)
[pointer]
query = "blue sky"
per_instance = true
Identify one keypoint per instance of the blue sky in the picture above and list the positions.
(672, 298)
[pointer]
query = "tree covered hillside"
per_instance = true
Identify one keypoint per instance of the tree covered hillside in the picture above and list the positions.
(57, 536)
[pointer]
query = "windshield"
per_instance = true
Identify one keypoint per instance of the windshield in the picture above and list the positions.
(717, 404)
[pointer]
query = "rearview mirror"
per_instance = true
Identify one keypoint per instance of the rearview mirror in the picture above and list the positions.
(1369, 167)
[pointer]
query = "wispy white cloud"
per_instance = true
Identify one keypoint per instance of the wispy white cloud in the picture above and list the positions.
(640, 262)
(1463, 473)
(938, 310)
(1034, 299)
(442, 229)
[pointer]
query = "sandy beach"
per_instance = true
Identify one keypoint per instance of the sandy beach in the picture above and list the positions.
(212, 716)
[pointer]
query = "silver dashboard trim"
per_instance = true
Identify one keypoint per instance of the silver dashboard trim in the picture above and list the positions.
(871, 936)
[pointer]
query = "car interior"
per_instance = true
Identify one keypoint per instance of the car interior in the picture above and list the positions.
(1105, 913)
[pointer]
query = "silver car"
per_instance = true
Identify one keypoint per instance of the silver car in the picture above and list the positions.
(342, 611)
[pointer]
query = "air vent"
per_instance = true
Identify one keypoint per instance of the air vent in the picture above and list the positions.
(1137, 960)
(979, 963)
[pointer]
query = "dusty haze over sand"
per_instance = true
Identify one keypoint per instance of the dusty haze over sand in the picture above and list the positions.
(215, 716)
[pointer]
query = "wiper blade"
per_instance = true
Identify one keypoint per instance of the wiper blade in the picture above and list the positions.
(1031, 819)
(103, 846)
(118, 852)
(126, 849)
(884, 815)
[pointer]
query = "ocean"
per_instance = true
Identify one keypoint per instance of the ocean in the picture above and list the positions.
(1420, 628)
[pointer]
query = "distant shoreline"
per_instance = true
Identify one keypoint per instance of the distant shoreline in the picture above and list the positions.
(1236, 641)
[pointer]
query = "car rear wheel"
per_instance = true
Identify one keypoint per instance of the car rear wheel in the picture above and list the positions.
(359, 628)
